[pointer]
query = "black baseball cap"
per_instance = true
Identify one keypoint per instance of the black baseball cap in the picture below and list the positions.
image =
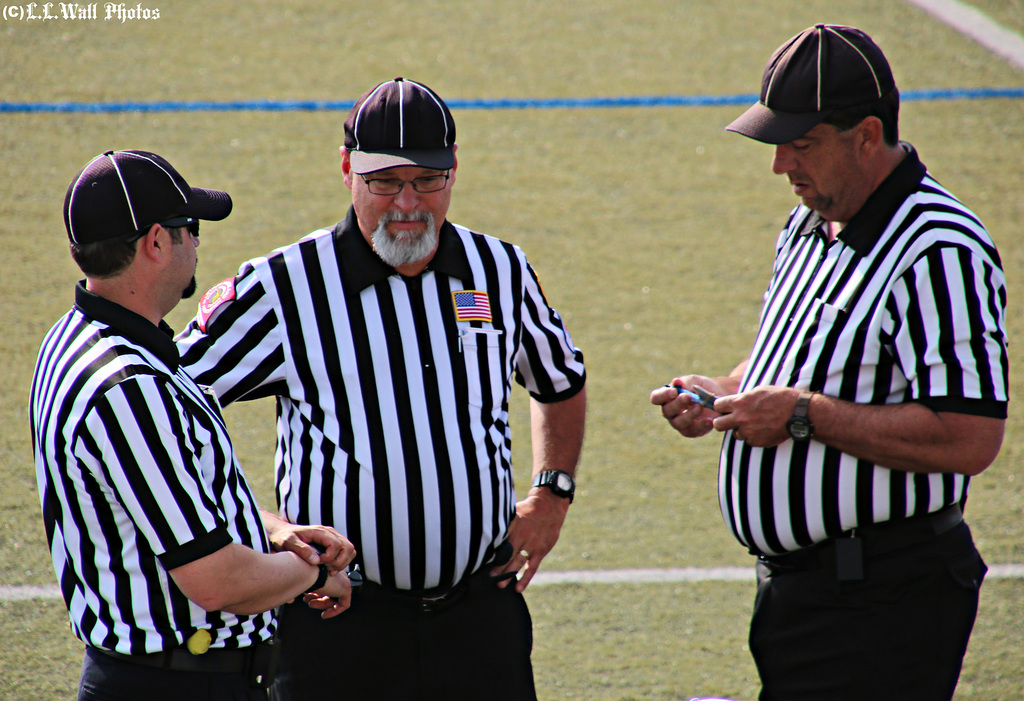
(821, 69)
(400, 123)
(119, 193)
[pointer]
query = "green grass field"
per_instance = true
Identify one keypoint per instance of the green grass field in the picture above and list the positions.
(651, 228)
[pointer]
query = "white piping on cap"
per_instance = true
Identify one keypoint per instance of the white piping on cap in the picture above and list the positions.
(359, 114)
(401, 113)
(874, 76)
(124, 188)
(440, 107)
(401, 110)
(771, 81)
(170, 177)
(820, 57)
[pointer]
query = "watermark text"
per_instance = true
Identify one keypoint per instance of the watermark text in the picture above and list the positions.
(78, 12)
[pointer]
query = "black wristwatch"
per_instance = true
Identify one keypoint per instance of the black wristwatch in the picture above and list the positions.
(321, 578)
(799, 425)
(561, 483)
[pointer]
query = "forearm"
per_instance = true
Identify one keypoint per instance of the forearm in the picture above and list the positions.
(557, 432)
(732, 381)
(240, 580)
(909, 437)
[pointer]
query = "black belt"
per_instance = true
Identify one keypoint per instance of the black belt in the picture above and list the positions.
(849, 550)
(258, 662)
(431, 600)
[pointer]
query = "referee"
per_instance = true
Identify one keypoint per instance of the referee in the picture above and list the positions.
(156, 539)
(391, 341)
(876, 388)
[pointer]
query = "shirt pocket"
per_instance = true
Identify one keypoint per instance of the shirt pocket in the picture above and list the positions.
(828, 314)
(814, 339)
(837, 345)
(482, 353)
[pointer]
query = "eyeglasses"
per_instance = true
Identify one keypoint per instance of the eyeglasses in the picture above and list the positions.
(393, 186)
(176, 223)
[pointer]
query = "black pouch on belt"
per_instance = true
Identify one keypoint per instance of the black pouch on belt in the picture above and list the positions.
(849, 559)
(263, 667)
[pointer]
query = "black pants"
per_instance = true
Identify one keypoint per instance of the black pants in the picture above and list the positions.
(108, 679)
(382, 649)
(900, 633)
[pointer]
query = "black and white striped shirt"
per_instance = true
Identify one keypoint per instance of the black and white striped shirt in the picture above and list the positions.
(136, 476)
(393, 392)
(906, 306)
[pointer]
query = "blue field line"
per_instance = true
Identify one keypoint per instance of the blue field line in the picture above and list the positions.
(494, 104)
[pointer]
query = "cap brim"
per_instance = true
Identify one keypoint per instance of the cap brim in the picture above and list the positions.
(370, 161)
(774, 127)
(211, 205)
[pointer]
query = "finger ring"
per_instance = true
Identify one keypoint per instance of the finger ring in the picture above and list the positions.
(524, 554)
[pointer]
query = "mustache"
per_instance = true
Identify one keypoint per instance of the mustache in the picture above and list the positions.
(405, 217)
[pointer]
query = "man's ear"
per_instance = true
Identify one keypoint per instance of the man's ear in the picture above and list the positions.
(152, 244)
(870, 135)
(346, 167)
(148, 245)
(455, 164)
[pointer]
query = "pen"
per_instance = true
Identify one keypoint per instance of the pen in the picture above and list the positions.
(697, 394)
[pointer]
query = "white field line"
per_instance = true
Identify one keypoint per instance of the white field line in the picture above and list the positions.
(641, 576)
(636, 576)
(697, 574)
(978, 26)
(23, 593)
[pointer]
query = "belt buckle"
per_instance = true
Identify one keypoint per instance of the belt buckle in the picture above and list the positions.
(429, 604)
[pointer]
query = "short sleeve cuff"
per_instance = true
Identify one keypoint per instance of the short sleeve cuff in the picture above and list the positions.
(990, 408)
(204, 545)
(572, 391)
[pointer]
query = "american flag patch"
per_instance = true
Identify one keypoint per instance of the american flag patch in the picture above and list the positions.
(472, 305)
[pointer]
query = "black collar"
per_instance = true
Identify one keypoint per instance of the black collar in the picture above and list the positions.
(362, 267)
(138, 329)
(863, 231)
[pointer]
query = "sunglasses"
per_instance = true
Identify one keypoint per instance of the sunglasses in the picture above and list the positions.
(191, 222)
(176, 223)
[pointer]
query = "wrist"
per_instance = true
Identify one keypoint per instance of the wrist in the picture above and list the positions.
(729, 384)
(799, 426)
(557, 483)
(321, 578)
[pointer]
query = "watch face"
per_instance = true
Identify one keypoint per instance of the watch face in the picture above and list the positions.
(564, 482)
(800, 430)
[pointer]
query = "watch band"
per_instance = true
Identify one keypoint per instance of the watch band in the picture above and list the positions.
(803, 404)
(799, 425)
(552, 478)
(321, 578)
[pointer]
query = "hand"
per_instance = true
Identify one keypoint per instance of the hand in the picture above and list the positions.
(758, 417)
(333, 598)
(337, 553)
(683, 413)
(533, 534)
